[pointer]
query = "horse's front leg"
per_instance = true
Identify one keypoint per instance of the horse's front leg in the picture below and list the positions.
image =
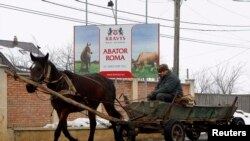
(66, 133)
(87, 66)
(58, 131)
(92, 120)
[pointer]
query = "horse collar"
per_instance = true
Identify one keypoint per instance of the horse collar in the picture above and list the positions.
(68, 81)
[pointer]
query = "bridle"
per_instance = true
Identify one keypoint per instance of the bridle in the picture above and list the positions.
(47, 75)
(45, 78)
(40, 78)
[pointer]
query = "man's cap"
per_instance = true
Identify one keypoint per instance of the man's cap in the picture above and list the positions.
(162, 67)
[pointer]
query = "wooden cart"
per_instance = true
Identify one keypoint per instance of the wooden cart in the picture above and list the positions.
(175, 121)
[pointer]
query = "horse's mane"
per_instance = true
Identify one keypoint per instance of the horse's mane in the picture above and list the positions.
(67, 72)
(53, 67)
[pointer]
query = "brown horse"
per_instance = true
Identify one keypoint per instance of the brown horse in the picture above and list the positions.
(85, 58)
(91, 89)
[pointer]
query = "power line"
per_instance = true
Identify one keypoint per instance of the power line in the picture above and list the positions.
(82, 21)
(224, 61)
(136, 21)
(207, 42)
(209, 30)
(228, 9)
(95, 13)
(153, 1)
(43, 14)
(223, 28)
(186, 22)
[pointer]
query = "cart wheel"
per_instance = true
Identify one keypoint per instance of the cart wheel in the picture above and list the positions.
(237, 121)
(125, 133)
(193, 135)
(174, 131)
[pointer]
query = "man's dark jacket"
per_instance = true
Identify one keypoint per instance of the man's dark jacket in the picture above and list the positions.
(169, 84)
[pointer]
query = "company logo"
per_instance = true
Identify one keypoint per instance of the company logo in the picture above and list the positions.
(115, 35)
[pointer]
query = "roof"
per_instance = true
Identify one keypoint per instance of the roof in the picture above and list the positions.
(15, 54)
(23, 45)
(5, 61)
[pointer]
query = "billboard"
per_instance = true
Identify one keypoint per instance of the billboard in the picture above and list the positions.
(117, 51)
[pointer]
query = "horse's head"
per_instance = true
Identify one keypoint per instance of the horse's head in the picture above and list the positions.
(88, 44)
(37, 71)
(88, 47)
(39, 68)
(87, 50)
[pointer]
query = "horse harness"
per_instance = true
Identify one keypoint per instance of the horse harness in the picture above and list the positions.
(71, 88)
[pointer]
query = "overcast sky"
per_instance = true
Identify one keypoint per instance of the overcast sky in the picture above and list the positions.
(214, 32)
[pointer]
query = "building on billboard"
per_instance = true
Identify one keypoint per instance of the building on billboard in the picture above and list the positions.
(117, 51)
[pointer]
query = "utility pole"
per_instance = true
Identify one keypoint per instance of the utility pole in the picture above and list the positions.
(86, 12)
(86, 7)
(176, 36)
(111, 4)
(146, 11)
(115, 12)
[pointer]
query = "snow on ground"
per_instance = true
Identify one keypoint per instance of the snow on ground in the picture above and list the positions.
(82, 122)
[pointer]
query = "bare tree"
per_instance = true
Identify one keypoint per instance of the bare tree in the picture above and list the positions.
(62, 57)
(225, 78)
(203, 82)
(222, 81)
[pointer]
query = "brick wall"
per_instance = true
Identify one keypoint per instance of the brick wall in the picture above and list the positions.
(144, 88)
(24, 109)
(34, 110)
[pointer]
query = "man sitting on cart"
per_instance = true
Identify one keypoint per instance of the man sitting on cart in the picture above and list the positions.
(167, 87)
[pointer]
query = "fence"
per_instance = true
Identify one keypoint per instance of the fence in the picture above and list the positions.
(243, 102)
